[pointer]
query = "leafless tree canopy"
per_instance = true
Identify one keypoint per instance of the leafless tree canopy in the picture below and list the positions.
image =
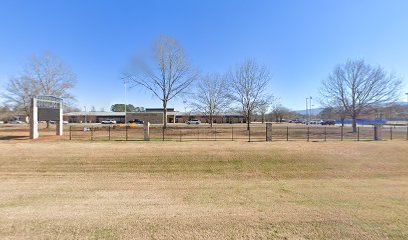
(169, 76)
(356, 85)
(42, 75)
(249, 87)
(211, 95)
(264, 106)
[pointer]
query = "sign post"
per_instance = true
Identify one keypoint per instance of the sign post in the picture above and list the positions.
(46, 108)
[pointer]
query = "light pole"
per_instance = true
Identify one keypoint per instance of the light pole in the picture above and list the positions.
(407, 107)
(85, 113)
(307, 113)
(124, 83)
(310, 102)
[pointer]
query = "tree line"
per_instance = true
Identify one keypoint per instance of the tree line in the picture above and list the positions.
(348, 90)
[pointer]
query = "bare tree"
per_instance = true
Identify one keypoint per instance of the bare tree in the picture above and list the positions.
(248, 87)
(356, 85)
(264, 107)
(42, 75)
(279, 112)
(211, 95)
(6, 113)
(171, 75)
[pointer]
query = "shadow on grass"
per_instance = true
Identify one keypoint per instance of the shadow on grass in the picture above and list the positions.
(5, 138)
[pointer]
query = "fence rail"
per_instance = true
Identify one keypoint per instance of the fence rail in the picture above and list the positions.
(257, 132)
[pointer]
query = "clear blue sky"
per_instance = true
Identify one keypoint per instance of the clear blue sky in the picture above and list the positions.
(300, 41)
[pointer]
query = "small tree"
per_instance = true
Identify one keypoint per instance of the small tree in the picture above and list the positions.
(6, 114)
(211, 95)
(356, 86)
(120, 107)
(263, 108)
(249, 83)
(169, 76)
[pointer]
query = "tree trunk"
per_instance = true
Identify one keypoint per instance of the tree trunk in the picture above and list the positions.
(48, 124)
(164, 114)
(211, 120)
(248, 122)
(354, 118)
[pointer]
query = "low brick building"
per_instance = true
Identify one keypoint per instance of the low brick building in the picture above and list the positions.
(152, 115)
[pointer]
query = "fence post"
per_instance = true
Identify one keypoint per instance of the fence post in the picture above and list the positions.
(407, 132)
(109, 132)
(198, 134)
(268, 132)
(308, 133)
(391, 133)
(325, 134)
(92, 129)
(146, 131)
(180, 134)
(287, 133)
(70, 133)
(358, 133)
(232, 133)
(126, 129)
(163, 133)
(215, 133)
(342, 133)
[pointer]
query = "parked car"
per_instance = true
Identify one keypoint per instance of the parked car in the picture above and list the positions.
(138, 121)
(108, 121)
(294, 121)
(1, 122)
(54, 122)
(16, 122)
(328, 122)
(194, 121)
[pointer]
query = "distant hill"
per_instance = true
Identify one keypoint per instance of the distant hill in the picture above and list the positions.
(314, 111)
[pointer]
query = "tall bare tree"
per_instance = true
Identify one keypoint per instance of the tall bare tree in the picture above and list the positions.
(211, 96)
(357, 85)
(249, 84)
(168, 76)
(42, 75)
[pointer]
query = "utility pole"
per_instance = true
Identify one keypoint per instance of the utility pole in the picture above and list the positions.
(407, 107)
(307, 113)
(310, 103)
(124, 83)
(85, 113)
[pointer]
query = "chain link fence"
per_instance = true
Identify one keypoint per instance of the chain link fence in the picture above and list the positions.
(257, 132)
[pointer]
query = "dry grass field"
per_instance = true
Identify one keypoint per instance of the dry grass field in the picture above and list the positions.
(203, 190)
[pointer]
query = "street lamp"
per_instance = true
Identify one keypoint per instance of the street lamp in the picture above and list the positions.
(307, 113)
(310, 102)
(407, 107)
(124, 83)
(85, 113)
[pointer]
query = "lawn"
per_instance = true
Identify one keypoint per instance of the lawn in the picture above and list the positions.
(203, 190)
